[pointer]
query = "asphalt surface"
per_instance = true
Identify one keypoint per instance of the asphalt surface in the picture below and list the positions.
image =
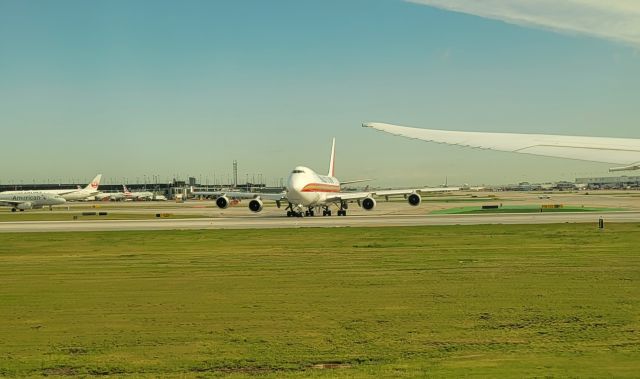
(205, 215)
(269, 222)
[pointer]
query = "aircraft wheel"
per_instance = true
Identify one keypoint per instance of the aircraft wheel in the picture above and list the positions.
(312, 213)
(13, 209)
(21, 210)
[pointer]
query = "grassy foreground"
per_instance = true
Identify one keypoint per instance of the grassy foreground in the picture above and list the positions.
(485, 301)
(523, 209)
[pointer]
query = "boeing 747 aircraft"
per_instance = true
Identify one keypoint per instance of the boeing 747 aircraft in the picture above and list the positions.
(29, 200)
(307, 192)
(624, 152)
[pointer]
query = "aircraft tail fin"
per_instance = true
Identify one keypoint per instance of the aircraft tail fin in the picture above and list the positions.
(125, 189)
(94, 184)
(333, 159)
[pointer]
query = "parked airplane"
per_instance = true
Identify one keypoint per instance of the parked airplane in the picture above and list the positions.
(112, 196)
(138, 195)
(71, 194)
(619, 151)
(307, 192)
(29, 200)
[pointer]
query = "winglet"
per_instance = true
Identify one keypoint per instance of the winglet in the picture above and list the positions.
(333, 158)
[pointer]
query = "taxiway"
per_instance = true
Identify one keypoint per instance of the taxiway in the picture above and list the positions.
(271, 222)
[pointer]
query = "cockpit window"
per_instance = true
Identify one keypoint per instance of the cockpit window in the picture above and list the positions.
(297, 172)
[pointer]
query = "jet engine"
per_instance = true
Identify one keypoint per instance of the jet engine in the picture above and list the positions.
(414, 199)
(255, 205)
(23, 206)
(368, 203)
(222, 202)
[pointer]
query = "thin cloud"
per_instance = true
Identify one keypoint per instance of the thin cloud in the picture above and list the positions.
(617, 20)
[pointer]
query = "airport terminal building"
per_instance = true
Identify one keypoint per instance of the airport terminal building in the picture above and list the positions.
(613, 182)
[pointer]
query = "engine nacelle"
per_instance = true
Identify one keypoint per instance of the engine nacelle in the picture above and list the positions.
(414, 199)
(368, 203)
(23, 206)
(255, 205)
(223, 202)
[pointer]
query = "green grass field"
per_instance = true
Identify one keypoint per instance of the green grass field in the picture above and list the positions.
(522, 209)
(451, 301)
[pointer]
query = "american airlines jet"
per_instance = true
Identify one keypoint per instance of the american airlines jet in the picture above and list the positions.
(29, 200)
(69, 194)
(307, 192)
(137, 195)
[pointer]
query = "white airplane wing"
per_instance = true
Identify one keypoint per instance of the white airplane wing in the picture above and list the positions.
(354, 196)
(242, 195)
(620, 151)
(10, 203)
(420, 190)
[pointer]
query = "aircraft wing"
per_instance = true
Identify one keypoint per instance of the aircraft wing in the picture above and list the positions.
(59, 192)
(242, 195)
(410, 191)
(620, 151)
(348, 196)
(355, 181)
(354, 196)
(10, 203)
(272, 196)
(63, 192)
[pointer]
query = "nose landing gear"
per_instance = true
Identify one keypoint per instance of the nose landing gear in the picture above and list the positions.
(291, 212)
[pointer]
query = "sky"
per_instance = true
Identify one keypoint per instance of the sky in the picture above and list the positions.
(139, 90)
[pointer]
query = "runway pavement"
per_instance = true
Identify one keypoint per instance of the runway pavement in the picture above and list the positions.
(269, 222)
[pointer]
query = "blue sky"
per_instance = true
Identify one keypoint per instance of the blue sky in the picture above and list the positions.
(143, 88)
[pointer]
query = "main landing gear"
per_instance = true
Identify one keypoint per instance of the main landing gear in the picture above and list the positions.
(343, 209)
(293, 211)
